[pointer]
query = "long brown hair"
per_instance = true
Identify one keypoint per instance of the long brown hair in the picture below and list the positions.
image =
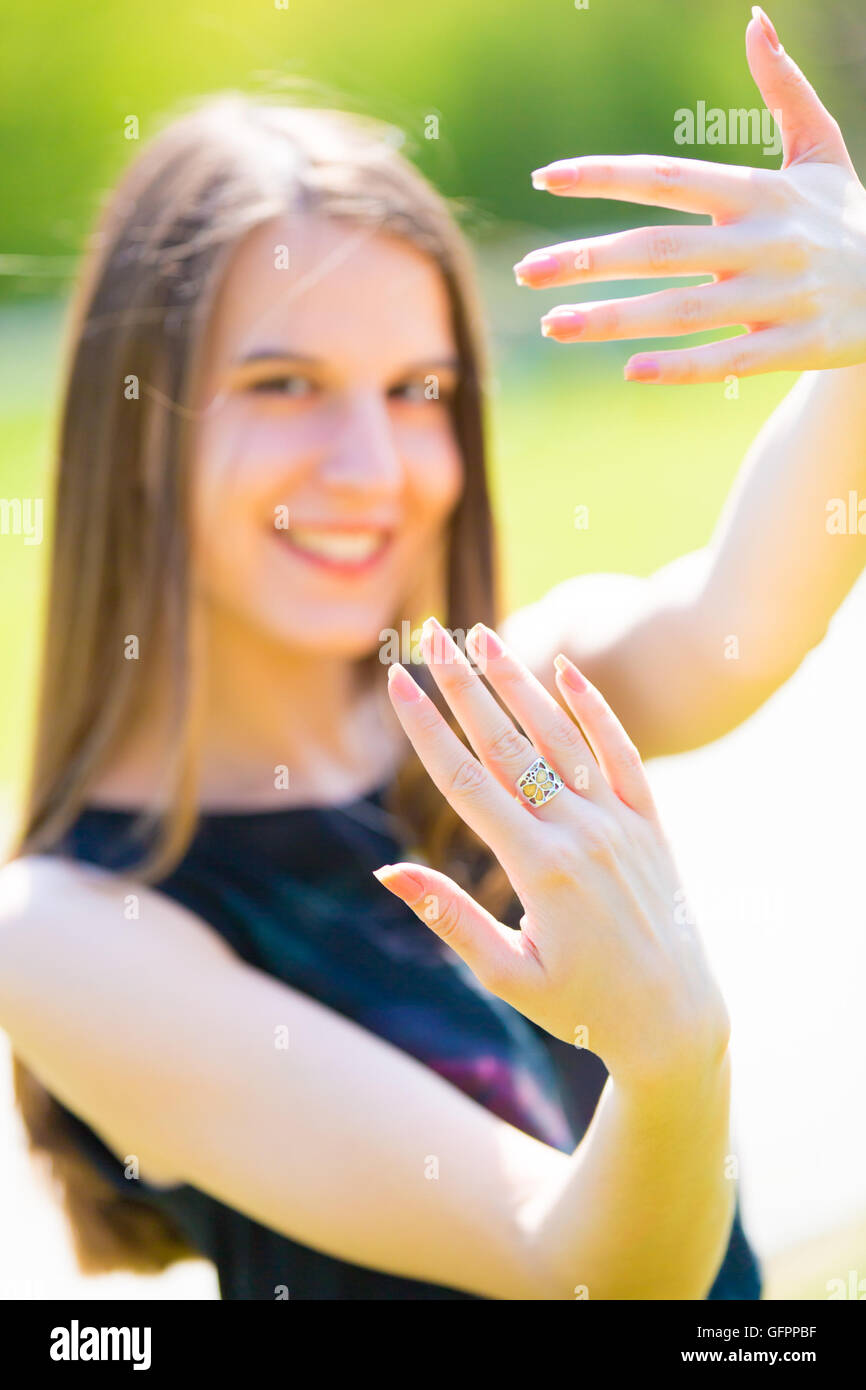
(120, 561)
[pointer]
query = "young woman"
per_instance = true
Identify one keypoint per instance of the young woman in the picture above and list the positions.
(229, 1039)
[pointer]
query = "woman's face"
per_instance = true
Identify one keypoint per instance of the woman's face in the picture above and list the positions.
(326, 464)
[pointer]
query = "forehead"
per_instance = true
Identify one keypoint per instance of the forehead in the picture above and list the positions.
(348, 294)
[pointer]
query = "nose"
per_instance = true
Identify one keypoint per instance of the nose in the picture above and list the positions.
(363, 455)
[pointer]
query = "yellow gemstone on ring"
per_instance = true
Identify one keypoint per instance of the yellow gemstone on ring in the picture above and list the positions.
(539, 783)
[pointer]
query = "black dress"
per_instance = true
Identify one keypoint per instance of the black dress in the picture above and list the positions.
(292, 892)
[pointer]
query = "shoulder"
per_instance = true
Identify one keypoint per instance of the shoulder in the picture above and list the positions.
(49, 900)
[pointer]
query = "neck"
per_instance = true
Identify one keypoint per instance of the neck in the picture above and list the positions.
(279, 726)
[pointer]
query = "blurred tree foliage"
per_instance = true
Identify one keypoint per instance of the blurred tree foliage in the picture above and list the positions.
(513, 83)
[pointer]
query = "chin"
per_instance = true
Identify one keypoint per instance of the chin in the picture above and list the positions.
(351, 640)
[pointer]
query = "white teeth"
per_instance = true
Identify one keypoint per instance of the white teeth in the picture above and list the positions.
(345, 547)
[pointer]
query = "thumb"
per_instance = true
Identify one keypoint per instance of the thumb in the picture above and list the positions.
(493, 952)
(809, 132)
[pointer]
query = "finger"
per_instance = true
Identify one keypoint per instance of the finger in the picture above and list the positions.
(495, 954)
(669, 313)
(689, 185)
(809, 132)
(642, 252)
(745, 354)
(468, 787)
(552, 731)
(617, 756)
(502, 748)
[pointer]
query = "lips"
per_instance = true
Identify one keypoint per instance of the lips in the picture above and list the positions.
(343, 549)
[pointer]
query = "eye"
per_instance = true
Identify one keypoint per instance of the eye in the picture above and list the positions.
(423, 390)
(285, 384)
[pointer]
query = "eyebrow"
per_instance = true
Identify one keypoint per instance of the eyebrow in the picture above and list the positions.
(270, 354)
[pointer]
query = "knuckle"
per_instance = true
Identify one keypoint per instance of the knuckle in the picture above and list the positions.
(792, 251)
(570, 739)
(447, 923)
(684, 368)
(467, 778)
(556, 867)
(740, 363)
(459, 675)
(792, 82)
(689, 312)
(810, 294)
(662, 249)
(507, 745)
(603, 841)
(666, 175)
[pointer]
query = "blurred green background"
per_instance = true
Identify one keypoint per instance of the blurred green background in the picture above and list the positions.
(513, 85)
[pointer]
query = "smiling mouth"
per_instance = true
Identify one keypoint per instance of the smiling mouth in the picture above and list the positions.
(348, 550)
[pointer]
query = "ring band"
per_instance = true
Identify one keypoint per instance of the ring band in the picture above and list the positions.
(539, 783)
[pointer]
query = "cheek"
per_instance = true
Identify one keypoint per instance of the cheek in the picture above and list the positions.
(434, 474)
(242, 461)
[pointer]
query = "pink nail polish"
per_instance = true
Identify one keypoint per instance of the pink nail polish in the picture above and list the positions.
(768, 27)
(484, 642)
(402, 686)
(563, 321)
(536, 268)
(645, 370)
(437, 644)
(555, 178)
(570, 674)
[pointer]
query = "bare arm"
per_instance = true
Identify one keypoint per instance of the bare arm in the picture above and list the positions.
(161, 1039)
(690, 652)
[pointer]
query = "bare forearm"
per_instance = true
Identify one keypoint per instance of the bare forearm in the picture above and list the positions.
(643, 1209)
(689, 653)
(780, 565)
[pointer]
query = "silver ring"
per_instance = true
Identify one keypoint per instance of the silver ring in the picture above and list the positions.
(539, 783)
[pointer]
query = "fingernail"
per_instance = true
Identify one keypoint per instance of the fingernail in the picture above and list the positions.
(554, 177)
(483, 641)
(537, 268)
(767, 25)
(644, 370)
(437, 644)
(570, 673)
(402, 684)
(399, 880)
(570, 321)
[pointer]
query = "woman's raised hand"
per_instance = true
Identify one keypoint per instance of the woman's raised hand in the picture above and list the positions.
(787, 248)
(607, 956)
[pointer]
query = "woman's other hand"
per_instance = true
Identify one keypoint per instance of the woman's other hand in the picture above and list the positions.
(787, 248)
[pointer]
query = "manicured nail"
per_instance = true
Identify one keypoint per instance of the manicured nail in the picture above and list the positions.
(570, 321)
(767, 25)
(570, 674)
(644, 370)
(401, 684)
(483, 641)
(555, 178)
(437, 644)
(397, 879)
(536, 268)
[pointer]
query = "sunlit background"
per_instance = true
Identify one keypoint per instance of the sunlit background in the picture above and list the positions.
(767, 823)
